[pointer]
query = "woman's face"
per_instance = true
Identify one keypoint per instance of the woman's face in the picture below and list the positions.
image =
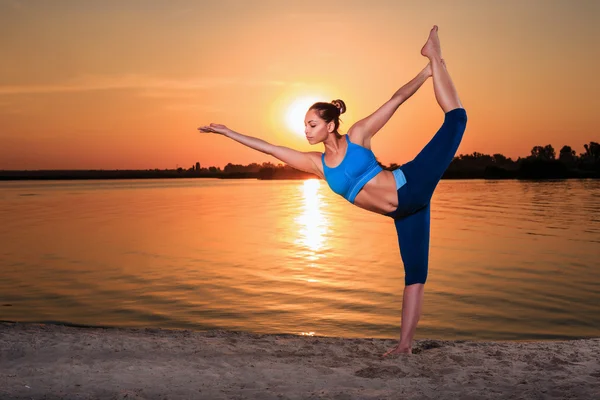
(315, 127)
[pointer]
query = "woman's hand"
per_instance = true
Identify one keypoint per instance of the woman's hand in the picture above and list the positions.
(215, 128)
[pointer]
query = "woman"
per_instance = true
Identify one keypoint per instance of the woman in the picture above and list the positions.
(351, 170)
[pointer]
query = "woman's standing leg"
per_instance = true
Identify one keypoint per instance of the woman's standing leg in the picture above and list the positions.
(413, 238)
(426, 170)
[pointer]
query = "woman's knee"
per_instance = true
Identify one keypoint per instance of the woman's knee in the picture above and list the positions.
(455, 123)
(456, 115)
(415, 275)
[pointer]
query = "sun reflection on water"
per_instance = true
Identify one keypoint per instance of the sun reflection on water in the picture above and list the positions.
(313, 224)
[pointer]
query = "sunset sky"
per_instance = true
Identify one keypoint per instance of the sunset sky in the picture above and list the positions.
(124, 84)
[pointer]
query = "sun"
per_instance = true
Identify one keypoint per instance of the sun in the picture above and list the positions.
(294, 116)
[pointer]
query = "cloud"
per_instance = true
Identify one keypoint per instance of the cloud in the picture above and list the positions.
(94, 82)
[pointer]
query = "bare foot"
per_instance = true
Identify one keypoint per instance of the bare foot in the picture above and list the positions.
(432, 48)
(398, 350)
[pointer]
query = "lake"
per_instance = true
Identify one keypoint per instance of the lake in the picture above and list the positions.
(508, 260)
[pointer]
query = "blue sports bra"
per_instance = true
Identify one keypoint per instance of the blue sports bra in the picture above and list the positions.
(357, 168)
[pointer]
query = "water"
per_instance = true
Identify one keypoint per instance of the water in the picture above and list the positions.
(508, 259)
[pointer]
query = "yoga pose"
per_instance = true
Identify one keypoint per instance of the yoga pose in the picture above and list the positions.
(351, 170)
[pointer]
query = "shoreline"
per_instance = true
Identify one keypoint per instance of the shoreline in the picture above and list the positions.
(55, 361)
(286, 334)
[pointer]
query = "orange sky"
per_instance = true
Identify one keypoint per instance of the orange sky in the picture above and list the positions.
(115, 84)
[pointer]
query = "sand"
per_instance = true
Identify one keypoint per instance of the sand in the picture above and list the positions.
(61, 362)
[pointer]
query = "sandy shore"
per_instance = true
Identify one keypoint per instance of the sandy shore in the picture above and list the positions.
(60, 362)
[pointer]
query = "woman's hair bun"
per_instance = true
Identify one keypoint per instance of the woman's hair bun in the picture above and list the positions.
(340, 105)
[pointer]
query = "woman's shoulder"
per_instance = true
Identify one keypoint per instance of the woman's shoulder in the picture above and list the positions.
(356, 137)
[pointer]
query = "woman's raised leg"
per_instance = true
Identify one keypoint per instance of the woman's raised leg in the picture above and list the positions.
(445, 92)
(429, 165)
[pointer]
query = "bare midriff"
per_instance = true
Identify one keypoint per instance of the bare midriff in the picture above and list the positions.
(379, 195)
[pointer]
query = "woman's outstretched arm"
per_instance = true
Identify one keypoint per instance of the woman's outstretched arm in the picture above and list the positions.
(369, 126)
(304, 161)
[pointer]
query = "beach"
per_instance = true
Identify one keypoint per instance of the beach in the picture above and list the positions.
(45, 361)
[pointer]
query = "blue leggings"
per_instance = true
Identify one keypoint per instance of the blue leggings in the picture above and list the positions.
(412, 217)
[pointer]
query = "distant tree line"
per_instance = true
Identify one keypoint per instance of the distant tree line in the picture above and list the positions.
(266, 170)
(541, 164)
